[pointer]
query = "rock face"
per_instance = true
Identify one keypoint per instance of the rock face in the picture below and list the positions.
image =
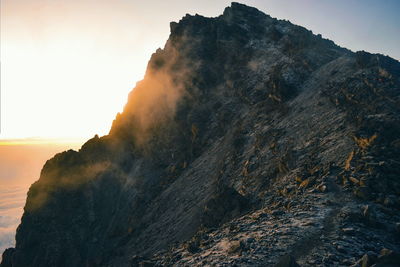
(250, 140)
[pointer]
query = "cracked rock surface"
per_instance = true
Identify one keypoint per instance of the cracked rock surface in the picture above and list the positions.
(250, 142)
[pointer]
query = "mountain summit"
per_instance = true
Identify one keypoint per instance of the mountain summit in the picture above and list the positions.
(249, 142)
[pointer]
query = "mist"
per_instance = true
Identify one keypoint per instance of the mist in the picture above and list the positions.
(20, 166)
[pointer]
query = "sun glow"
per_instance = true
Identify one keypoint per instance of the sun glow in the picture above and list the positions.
(74, 143)
(66, 70)
(68, 66)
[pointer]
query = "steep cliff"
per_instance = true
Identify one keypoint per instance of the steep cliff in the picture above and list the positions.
(248, 139)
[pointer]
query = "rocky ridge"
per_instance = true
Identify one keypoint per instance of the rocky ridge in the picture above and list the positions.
(250, 142)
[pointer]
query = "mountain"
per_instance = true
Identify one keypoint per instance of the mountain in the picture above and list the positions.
(249, 142)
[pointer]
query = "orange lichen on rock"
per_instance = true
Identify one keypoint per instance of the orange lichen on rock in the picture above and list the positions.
(348, 161)
(364, 143)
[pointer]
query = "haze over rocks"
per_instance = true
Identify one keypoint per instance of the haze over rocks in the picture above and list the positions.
(250, 142)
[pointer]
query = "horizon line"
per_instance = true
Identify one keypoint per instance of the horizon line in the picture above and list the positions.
(42, 141)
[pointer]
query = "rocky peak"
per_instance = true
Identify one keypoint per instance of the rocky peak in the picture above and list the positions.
(242, 13)
(248, 139)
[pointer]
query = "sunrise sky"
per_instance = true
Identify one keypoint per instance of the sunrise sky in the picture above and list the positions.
(67, 66)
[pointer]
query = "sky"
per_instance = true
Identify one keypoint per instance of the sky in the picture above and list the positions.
(20, 166)
(67, 66)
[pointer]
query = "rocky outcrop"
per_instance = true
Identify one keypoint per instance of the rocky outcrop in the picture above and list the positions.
(249, 140)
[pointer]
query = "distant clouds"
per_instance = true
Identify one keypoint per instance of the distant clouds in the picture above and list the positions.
(20, 166)
(12, 200)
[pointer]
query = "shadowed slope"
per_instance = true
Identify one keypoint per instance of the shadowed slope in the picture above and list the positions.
(233, 111)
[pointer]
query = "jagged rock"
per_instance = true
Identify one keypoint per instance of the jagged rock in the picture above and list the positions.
(236, 123)
(368, 259)
(370, 215)
(323, 188)
(8, 257)
(287, 261)
(138, 261)
(146, 264)
(367, 211)
(363, 192)
(193, 247)
(237, 247)
(348, 230)
(227, 204)
(388, 258)
(277, 213)
(391, 201)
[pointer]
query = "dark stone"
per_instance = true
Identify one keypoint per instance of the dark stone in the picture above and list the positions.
(193, 247)
(368, 259)
(227, 204)
(7, 258)
(391, 201)
(363, 192)
(388, 258)
(228, 112)
(287, 261)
